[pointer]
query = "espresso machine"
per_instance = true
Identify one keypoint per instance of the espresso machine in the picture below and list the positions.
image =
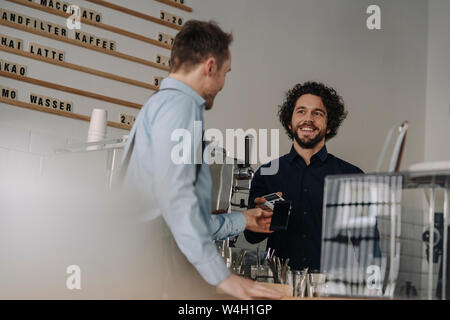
(230, 177)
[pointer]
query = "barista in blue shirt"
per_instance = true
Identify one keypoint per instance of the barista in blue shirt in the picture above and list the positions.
(311, 114)
(173, 184)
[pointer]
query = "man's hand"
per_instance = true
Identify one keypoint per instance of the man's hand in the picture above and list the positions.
(246, 289)
(261, 200)
(258, 220)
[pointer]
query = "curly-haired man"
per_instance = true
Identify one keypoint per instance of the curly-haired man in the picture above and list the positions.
(311, 114)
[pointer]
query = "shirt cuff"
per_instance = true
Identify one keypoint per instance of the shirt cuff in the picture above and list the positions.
(215, 271)
(238, 223)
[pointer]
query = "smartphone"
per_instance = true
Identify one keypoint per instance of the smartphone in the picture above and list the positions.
(271, 199)
(280, 217)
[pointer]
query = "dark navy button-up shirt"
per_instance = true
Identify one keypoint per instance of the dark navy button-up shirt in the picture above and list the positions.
(303, 185)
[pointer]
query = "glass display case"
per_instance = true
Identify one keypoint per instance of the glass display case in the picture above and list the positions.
(377, 243)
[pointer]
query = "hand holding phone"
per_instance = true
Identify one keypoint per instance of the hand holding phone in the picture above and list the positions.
(281, 210)
(271, 199)
(280, 217)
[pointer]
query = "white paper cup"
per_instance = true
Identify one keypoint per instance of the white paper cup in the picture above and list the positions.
(93, 137)
(97, 127)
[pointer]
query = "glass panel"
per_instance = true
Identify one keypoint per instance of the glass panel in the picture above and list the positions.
(386, 235)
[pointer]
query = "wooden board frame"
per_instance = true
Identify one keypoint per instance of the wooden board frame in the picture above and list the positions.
(134, 13)
(123, 32)
(59, 87)
(84, 45)
(175, 5)
(66, 114)
(81, 68)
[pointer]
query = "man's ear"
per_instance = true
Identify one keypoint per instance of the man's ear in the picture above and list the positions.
(328, 131)
(210, 66)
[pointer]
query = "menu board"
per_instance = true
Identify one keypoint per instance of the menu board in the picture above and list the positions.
(64, 34)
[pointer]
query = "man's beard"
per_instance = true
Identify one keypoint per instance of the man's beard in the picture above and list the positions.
(311, 143)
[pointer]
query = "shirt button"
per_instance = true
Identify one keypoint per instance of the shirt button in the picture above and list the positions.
(305, 213)
(304, 236)
(305, 190)
(304, 259)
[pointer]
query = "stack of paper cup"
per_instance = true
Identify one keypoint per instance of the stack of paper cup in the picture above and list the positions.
(97, 127)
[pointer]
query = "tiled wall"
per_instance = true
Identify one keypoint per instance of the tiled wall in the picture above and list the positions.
(27, 156)
(22, 151)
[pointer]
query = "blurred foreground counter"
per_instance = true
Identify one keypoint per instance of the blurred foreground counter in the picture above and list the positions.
(287, 290)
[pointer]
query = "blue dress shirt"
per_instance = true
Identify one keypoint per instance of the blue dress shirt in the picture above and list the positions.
(177, 192)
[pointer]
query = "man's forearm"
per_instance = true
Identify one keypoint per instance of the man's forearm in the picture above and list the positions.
(227, 225)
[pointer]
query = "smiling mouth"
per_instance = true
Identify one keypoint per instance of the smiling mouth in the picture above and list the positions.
(307, 129)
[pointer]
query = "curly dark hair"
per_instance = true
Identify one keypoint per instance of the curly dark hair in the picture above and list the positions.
(332, 101)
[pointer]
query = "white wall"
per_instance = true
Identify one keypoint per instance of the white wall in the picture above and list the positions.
(438, 83)
(380, 74)
(277, 44)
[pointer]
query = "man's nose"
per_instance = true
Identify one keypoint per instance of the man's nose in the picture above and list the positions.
(308, 117)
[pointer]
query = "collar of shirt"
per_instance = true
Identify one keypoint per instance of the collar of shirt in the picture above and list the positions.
(321, 155)
(171, 83)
